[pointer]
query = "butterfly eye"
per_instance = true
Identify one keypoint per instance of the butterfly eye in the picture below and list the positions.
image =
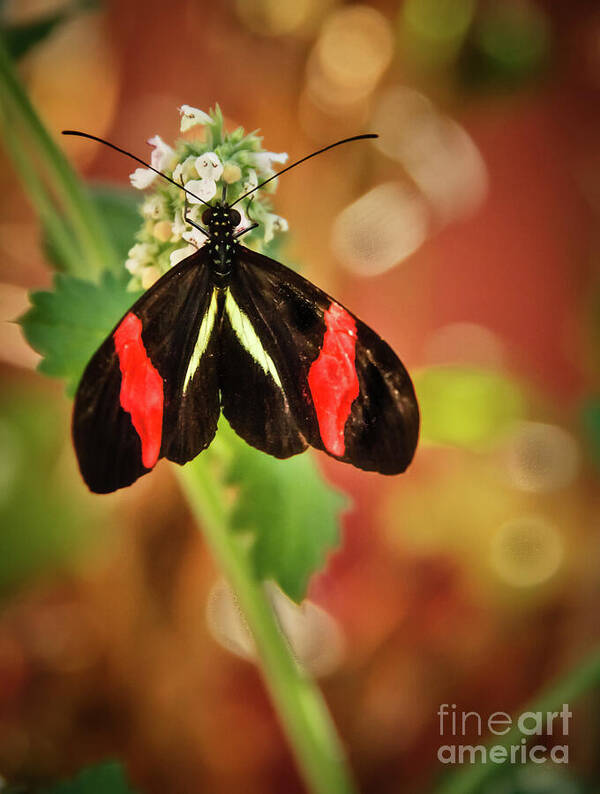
(235, 217)
(207, 215)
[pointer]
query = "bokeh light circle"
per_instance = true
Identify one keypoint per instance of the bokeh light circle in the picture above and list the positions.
(467, 406)
(313, 634)
(274, 18)
(465, 343)
(353, 51)
(526, 551)
(380, 229)
(542, 457)
(437, 153)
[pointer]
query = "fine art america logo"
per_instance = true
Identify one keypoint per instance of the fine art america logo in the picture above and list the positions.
(457, 725)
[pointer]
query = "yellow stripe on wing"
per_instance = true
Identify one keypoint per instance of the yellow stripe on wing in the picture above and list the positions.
(204, 333)
(246, 334)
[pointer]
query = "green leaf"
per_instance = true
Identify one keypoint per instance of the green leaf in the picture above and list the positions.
(107, 778)
(47, 518)
(590, 425)
(289, 512)
(68, 324)
(22, 37)
(19, 39)
(119, 211)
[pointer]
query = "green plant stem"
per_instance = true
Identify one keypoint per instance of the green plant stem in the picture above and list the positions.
(300, 705)
(98, 253)
(60, 237)
(566, 689)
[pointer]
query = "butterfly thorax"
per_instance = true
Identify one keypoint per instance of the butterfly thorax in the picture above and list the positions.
(221, 222)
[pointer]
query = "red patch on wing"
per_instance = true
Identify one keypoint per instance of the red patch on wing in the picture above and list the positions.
(141, 387)
(332, 378)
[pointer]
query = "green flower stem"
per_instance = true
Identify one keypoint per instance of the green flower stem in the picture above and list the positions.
(300, 705)
(60, 237)
(98, 254)
(583, 678)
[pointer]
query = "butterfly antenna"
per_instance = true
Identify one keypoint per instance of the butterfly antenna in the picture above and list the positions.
(133, 157)
(308, 156)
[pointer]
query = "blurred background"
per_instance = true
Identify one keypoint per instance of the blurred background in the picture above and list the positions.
(467, 235)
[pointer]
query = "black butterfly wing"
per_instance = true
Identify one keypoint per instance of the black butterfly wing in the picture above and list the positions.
(151, 389)
(253, 399)
(346, 391)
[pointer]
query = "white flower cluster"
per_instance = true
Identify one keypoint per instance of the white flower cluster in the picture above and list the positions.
(202, 167)
(161, 157)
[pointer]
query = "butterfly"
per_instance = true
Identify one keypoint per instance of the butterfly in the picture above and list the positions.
(231, 330)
